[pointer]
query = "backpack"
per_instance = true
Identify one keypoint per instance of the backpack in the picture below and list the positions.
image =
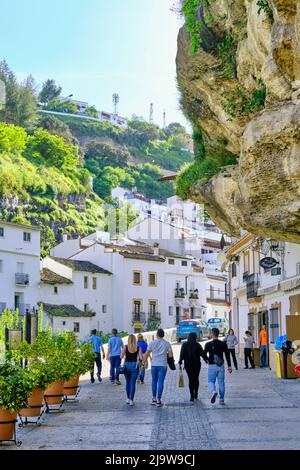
(217, 359)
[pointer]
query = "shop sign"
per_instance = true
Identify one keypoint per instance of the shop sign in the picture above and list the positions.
(268, 262)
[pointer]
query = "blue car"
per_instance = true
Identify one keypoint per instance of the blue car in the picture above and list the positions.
(197, 326)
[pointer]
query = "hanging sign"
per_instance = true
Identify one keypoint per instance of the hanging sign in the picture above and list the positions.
(268, 262)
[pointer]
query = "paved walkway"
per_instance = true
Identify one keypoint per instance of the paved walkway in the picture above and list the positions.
(261, 412)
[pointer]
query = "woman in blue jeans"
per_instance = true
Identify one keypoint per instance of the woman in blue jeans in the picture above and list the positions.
(132, 354)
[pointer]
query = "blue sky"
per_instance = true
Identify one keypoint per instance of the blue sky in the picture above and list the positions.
(94, 48)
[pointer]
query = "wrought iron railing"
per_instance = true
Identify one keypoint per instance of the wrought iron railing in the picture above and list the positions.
(22, 279)
(138, 317)
(252, 286)
(179, 293)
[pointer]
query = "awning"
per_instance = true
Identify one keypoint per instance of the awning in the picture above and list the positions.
(290, 284)
(268, 290)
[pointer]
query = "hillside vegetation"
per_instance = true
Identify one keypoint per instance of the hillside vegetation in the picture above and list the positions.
(58, 171)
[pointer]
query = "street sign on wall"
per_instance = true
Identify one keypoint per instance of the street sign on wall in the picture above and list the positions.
(268, 262)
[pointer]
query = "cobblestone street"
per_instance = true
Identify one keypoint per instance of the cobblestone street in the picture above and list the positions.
(261, 412)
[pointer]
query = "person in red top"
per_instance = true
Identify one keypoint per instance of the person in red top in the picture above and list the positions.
(263, 346)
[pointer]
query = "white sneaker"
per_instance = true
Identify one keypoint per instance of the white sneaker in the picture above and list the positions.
(131, 403)
(127, 401)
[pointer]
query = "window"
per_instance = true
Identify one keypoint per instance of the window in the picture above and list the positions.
(171, 311)
(76, 328)
(211, 292)
(94, 283)
(26, 237)
(137, 278)
(152, 279)
(1, 266)
(298, 269)
(274, 324)
(171, 261)
(86, 282)
(233, 270)
(1, 232)
(64, 323)
(246, 262)
(104, 308)
(152, 307)
(86, 307)
(55, 290)
(20, 268)
(184, 263)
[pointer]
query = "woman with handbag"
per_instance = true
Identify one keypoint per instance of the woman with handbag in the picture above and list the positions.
(132, 354)
(191, 353)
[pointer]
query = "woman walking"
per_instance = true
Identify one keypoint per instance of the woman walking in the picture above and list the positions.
(143, 346)
(231, 341)
(191, 353)
(132, 353)
(248, 350)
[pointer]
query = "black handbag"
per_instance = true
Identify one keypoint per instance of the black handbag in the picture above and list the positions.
(122, 370)
(171, 363)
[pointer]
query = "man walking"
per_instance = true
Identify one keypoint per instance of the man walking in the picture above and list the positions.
(97, 347)
(115, 345)
(215, 350)
(263, 346)
(161, 350)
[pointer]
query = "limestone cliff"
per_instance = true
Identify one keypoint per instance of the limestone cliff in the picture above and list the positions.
(262, 192)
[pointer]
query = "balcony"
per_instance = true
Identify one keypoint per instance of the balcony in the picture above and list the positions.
(154, 316)
(253, 286)
(138, 317)
(22, 279)
(194, 294)
(179, 293)
(245, 276)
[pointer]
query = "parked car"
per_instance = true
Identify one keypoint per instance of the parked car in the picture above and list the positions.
(220, 323)
(195, 325)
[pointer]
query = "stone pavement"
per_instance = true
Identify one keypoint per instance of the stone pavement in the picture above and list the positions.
(261, 412)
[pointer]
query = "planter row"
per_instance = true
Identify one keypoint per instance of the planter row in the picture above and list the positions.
(52, 395)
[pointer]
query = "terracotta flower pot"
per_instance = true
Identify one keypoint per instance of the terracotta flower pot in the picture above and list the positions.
(7, 429)
(54, 393)
(71, 386)
(35, 401)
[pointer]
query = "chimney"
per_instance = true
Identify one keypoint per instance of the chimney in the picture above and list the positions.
(156, 249)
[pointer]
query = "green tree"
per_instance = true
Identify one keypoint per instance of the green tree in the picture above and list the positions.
(50, 91)
(92, 112)
(20, 105)
(51, 150)
(12, 139)
(57, 127)
(106, 155)
(62, 106)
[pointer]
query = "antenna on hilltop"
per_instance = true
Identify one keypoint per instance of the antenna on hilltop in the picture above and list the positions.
(116, 100)
(165, 120)
(151, 118)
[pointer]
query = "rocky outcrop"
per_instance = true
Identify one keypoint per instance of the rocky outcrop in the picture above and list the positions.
(262, 193)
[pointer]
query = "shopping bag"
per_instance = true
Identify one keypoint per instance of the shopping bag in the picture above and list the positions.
(181, 380)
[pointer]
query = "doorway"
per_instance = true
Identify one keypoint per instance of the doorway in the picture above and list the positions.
(263, 319)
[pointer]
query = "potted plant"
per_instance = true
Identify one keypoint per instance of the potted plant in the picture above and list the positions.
(80, 362)
(15, 388)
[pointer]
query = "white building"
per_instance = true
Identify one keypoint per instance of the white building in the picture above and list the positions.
(76, 295)
(19, 266)
(263, 296)
(114, 119)
(183, 213)
(148, 283)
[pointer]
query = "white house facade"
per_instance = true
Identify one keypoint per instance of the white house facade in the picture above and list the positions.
(263, 295)
(19, 266)
(76, 295)
(148, 284)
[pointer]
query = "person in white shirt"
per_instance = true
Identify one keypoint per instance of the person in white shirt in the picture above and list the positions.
(161, 350)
